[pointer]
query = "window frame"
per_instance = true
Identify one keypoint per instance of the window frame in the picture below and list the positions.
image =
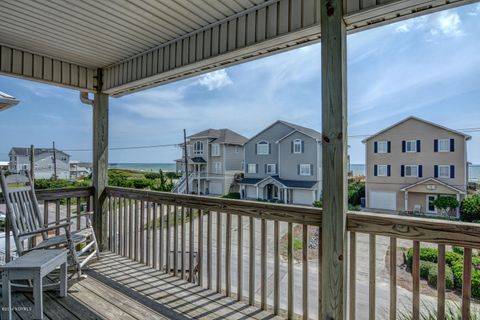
(198, 151)
(411, 166)
(412, 142)
(383, 166)
(270, 165)
(305, 165)
(216, 146)
(217, 167)
(297, 143)
(264, 144)
(382, 143)
(447, 144)
(447, 170)
(251, 165)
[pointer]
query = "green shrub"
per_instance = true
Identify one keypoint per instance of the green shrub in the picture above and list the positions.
(452, 257)
(232, 195)
(446, 203)
(141, 183)
(458, 250)
(317, 204)
(425, 267)
(297, 244)
(152, 175)
(433, 275)
(470, 208)
(356, 190)
(426, 254)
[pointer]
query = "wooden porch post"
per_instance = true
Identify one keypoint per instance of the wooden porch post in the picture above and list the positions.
(334, 160)
(100, 167)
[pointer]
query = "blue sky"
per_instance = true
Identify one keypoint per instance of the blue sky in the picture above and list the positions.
(428, 67)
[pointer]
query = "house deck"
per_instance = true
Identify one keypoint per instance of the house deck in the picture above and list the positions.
(119, 288)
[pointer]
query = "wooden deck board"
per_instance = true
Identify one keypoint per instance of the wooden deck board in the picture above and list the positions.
(119, 288)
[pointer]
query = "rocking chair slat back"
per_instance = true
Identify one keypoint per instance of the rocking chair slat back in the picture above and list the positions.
(22, 207)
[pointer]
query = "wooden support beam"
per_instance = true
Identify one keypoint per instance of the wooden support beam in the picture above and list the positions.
(100, 167)
(334, 148)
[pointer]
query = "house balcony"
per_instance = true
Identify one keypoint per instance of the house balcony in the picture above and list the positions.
(218, 258)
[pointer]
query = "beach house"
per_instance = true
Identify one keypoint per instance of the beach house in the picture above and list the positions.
(47, 163)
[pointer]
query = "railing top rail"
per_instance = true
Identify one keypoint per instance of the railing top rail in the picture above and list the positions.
(62, 193)
(413, 228)
(261, 210)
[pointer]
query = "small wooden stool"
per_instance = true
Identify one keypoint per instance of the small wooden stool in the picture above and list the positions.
(33, 266)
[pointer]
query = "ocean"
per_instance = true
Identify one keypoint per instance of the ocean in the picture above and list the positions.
(147, 167)
(473, 171)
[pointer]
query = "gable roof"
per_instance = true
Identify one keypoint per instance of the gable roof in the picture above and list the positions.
(433, 180)
(226, 136)
(467, 137)
(295, 127)
(26, 151)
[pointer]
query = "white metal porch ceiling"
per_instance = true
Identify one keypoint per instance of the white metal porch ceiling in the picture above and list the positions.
(141, 43)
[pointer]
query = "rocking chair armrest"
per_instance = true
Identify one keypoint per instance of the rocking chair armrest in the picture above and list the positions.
(87, 214)
(66, 226)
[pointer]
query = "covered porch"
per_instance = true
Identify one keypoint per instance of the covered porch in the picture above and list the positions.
(112, 49)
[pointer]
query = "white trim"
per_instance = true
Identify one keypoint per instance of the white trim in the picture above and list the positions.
(435, 180)
(248, 168)
(385, 166)
(383, 142)
(262, 142)
(414, 142)
(274, 167)
(448, 176)
(448, 145)
(301, 132)
(297, 142)
(410, 176)
(304, 166)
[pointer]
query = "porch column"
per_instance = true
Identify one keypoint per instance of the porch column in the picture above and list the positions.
(100, 167)
(285, 195)
(334, 161)
(458, 208)
(257, 192)
(406, 200)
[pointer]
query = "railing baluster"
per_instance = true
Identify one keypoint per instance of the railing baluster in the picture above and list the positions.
(125, 227)
(219, 252)
(114, 225)
(168, 241)
(161, 236)
(251, 268)
(110, 223)
(79, 201)
(142, 231)
(209, 250)
(263, 264)
(276, 267)
(200, 247)
(135, 231)
(121, 209)
(371, 276)
(182, 243)
(191, 243)
(352, 298)
(290, 271)
(131, 214)
(416, 280)
(466, 283)
(148, 231)
(57, 216)
(154, 237)
(441, 282)
(319, 272)
(393, 278)
(305, 271)
(69, 209)
(239, 258)
(228, 255)
(175, 241)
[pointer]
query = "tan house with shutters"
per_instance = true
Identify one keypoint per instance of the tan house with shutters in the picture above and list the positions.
(411, 163)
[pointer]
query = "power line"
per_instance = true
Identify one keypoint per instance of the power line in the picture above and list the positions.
(127, 148)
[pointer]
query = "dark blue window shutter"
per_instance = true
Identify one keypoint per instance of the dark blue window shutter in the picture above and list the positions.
(435, 145)
(404, 146)
(452, 145)
(298, 169)
(265, 168)
(256, 168)
(375, 170)
(311, 169)
(389, 146)
(276, 168)
(375, 147)
(291, 145)
(389, 170)
(420, 171)
(269, 148)
(256, 149)
(402, 170)
(435, 171)
(452, 172)
(418, 145)
(303, 146)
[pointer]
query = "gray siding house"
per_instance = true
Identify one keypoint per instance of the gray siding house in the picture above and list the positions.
(215, 158)
(283, 163)
(44, 162)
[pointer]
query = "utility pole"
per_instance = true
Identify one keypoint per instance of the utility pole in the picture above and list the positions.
(54, 162)
(186, 158)
(32, 162)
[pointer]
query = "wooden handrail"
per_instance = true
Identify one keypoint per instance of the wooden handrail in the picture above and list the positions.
(62, 193)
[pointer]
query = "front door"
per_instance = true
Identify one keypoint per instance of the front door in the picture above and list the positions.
(430, 207)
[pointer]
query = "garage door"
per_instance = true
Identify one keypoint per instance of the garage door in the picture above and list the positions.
(216, 188)
(302, 197)
(383, 200)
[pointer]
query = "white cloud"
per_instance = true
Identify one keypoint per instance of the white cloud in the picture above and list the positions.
(449, 24)
(215, 80)
(403, 28)
(476, 11)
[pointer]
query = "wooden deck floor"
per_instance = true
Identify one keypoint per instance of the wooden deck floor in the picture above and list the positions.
(118, 288)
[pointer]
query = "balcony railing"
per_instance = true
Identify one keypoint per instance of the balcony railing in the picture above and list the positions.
(263, 253)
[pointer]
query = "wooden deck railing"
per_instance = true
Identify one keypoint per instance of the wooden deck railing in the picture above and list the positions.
(179, 233)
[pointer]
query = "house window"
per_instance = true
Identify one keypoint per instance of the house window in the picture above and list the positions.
(411, 171)
(411, 145)
(217, 167)
(263, 147)
(382, 170)
(237, 149)
(444, 171)
(443, 145)
(297, 146)
(382, 146)
(305, 170)
(252, 168)
(242, 165)
(198, 147)
(271, 169)
(215, 150)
